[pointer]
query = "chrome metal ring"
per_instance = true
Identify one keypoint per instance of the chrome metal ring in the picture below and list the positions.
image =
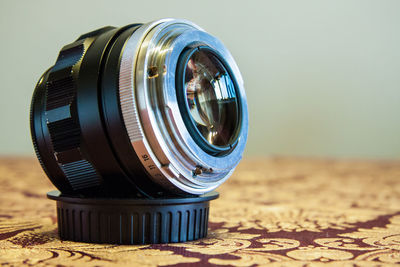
(151, 113)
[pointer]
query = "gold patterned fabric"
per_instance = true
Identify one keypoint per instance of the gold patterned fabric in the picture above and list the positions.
(275, 212)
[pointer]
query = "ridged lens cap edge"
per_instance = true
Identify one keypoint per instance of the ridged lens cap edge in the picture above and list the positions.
(132, 220)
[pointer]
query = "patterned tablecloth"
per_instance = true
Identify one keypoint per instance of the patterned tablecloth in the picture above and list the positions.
(278, 212)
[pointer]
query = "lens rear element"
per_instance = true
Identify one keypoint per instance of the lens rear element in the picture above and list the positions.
(211, 98)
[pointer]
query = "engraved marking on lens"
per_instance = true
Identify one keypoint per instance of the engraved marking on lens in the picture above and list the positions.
(152, 72)
(198, 171)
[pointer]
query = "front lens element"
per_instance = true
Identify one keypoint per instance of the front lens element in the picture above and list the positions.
(211, 98)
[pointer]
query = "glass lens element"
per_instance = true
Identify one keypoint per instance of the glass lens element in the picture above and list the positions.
(211, 98)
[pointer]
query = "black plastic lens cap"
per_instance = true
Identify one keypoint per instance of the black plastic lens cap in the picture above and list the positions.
(133, 220)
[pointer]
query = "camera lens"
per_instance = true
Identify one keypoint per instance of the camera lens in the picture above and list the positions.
(150, 109)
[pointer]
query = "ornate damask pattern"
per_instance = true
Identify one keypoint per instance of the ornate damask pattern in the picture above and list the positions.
(275, 212)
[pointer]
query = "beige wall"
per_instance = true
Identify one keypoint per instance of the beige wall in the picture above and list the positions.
(322, 77)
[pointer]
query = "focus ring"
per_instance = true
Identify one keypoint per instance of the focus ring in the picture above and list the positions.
(32, 120)
(62, 123)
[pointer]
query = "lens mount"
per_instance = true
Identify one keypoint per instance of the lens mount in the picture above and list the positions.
(106, 117)
(166, 148)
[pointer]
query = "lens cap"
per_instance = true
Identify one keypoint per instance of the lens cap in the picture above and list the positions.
(132, 220)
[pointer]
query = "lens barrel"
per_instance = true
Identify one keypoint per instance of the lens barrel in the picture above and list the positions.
(110, 118)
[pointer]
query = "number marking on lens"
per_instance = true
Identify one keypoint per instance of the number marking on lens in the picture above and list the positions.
(145, 157)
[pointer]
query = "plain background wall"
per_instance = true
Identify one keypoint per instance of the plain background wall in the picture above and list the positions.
(322, 77)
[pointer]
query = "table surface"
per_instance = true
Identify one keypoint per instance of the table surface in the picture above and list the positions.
(277, 212)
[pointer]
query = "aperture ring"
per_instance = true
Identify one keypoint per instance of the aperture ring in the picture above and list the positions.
(62, 122)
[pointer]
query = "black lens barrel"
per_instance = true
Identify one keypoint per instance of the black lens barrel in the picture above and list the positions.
(76, 122)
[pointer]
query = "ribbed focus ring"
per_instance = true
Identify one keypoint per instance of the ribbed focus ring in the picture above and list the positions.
(61, 87)
(63, 125)
(132, 221)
